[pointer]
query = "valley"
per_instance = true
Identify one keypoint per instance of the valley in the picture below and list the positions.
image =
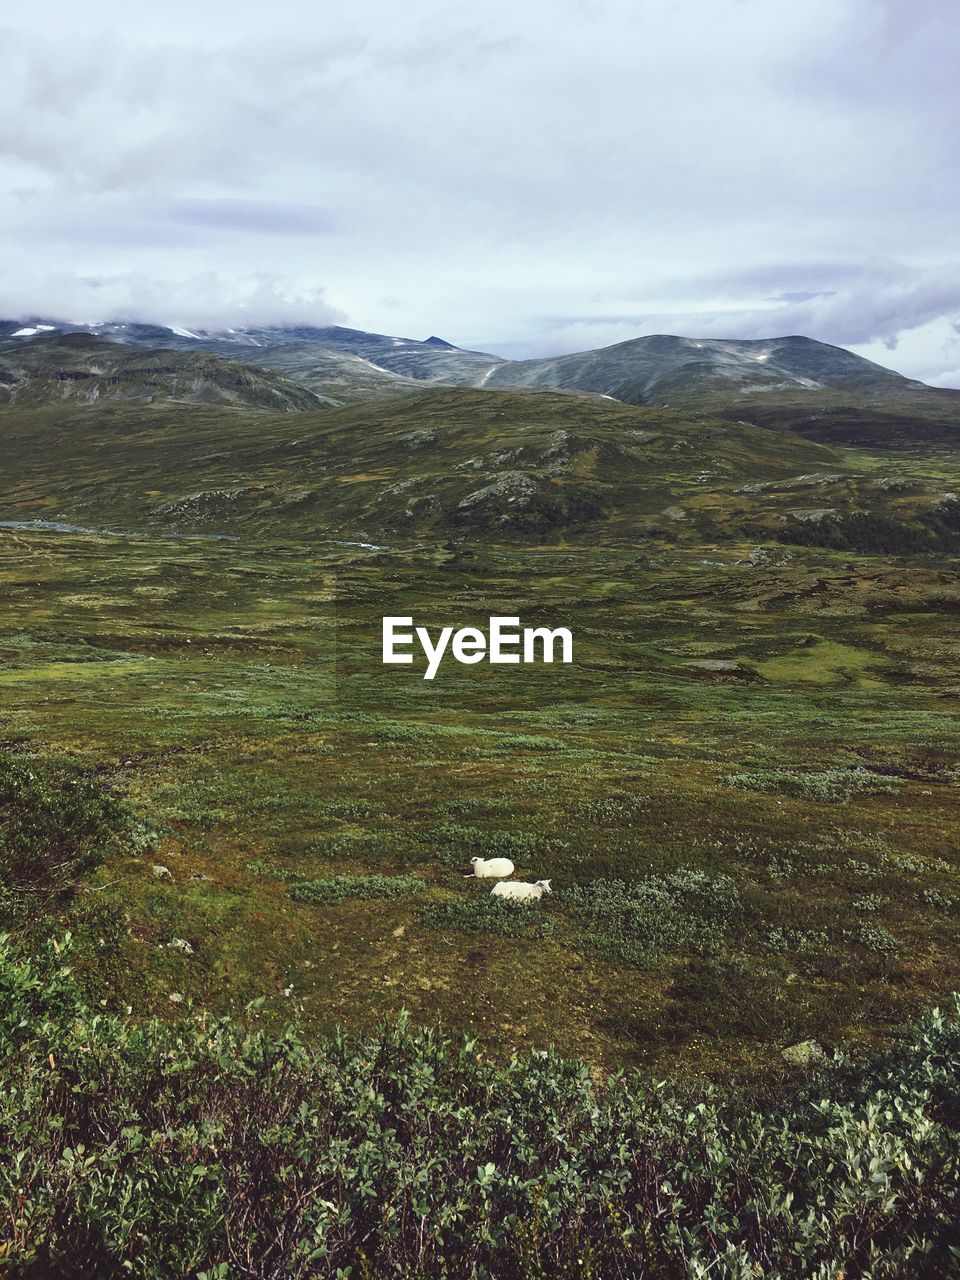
(743, 788)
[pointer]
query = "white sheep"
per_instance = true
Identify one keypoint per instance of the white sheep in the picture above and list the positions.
(490, 868)
(522, 890)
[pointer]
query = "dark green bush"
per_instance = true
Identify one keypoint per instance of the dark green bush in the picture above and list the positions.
(829, 786)
(331, 890)
(205, 1148)
(55, 826)
(868, 531)
(487, 914)
(635, 921)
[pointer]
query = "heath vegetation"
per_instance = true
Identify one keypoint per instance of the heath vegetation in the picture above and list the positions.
(743, 791)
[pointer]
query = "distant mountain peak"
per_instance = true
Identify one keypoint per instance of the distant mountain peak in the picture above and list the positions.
(83, 368)
(667, 368)
(732, 375)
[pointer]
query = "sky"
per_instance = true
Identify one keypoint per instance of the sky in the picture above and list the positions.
(525, 178)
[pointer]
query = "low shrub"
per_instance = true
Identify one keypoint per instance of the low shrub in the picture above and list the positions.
(56, 825)
(487, 914)
(352, 809)
(941, 901)
(875, 938)
(260, 867)
(207, 1147)
(464, 842)
(328, 891)
(829, 786)
(637, 921)
(868, 904)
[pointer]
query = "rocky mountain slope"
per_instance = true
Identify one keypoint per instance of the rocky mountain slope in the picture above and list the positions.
(663, 367)
(81, 368)
(792, 383)
(345, 364)
(469, 465)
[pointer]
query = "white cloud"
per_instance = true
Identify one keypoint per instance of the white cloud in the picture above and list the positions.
(438, 168)
(207, 300)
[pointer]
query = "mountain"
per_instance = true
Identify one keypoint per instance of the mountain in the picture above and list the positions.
(343, 364)
(664, 367)
(794, 383)
(649, 370)
(82, 368)
(787, 383)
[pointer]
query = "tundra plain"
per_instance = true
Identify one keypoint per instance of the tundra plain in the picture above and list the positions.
(744, 789)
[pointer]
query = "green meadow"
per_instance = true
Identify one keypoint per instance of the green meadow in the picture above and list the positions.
(257, 1021)
(743, 789)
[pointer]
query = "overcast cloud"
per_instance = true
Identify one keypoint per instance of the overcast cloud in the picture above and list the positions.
(528, 179)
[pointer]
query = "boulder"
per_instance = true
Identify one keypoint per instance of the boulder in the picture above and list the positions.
(808, 1053)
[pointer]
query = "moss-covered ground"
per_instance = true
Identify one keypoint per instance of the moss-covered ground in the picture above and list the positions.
(763, 757)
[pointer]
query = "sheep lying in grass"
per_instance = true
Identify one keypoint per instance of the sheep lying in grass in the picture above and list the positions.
(521, 890)
(490, 868)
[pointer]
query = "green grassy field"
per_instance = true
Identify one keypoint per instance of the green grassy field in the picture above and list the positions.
(744, 789)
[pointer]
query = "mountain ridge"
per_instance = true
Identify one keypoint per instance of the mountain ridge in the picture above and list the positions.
(83, 368)
(645, 369)
(792, 382)
(796, 358)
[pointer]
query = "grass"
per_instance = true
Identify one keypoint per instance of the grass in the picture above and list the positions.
(230, 695)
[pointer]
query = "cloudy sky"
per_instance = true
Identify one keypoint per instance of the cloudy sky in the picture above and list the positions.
(528, 178)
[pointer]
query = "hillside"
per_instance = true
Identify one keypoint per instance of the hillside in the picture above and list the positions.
(788, 383)
(475, 465)
(743, 787)
(657, 369)
(344, 364)
(84, 369)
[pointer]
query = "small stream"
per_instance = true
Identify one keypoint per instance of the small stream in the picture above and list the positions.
(63, 526)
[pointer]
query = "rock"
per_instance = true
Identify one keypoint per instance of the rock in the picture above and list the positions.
(767, 556)
(811, 515)
(808, 1053)
(181, 944)
(198, 875)
(713, 664)
(161, 872)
